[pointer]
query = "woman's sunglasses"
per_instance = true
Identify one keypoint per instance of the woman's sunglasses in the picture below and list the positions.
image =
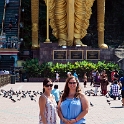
(72, 82)
(48, 85)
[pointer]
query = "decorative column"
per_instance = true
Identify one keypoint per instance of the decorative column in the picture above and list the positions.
(100, 21)
(35, 20)
(47, 39)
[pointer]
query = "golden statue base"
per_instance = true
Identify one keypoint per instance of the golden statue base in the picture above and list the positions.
(35, 46)
(47, 41)
(103, 46)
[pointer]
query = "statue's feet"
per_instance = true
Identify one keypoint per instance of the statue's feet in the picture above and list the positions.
(103, 46)
(62, 42)
(77, 41)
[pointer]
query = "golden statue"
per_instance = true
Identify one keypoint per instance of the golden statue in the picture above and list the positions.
(69, 20)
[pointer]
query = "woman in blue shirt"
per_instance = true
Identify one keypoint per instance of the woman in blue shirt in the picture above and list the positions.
(73, 105)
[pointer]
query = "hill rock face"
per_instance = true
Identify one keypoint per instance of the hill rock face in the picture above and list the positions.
(119, 52)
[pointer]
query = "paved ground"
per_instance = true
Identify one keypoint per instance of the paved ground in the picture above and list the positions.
(26, 111)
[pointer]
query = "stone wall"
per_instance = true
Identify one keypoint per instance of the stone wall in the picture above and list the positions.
(5, 79)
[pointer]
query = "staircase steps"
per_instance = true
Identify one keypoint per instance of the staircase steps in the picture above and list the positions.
(11, 10)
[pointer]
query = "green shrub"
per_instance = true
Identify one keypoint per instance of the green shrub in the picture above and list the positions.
(48, 69)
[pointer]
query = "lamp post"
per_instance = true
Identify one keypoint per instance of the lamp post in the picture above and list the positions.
(22, 22)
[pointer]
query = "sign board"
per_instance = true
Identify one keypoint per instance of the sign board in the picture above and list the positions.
(76, 54)
(59, 54)
(92, 54)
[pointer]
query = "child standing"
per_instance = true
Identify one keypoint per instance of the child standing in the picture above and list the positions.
(57, 77)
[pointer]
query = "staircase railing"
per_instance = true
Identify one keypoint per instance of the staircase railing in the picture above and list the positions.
(3, 20)
(19, 19)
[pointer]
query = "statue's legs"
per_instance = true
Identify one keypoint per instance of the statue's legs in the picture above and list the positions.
(79, 21)
(60, 19)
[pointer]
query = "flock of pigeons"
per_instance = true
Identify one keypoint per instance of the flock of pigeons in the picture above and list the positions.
(15, 96)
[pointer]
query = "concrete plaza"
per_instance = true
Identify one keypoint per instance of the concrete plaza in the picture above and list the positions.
(26, 111)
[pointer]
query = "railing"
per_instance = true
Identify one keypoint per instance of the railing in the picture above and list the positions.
(5, 79)
(19, 19)
(3, 20)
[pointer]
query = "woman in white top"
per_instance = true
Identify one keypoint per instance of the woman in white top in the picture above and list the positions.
(47, 104)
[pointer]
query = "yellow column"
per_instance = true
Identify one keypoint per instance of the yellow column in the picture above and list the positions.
(100, 20)
(47, 39)
(35, 20)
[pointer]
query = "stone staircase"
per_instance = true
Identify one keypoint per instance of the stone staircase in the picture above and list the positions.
(2, 2)
(11, 10)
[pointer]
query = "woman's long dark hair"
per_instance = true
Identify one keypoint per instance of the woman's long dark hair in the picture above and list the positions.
(45, 82)
(66, 89)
